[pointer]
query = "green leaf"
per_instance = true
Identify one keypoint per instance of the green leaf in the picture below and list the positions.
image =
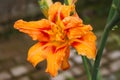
(113, 19)
(66, 2)
(85, 63)
(69, 2)
(44, 6)
(115, 7)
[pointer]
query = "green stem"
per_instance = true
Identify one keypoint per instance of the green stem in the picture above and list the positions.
(86, 67)
(107, 29)
(90, 65)
(99, 76)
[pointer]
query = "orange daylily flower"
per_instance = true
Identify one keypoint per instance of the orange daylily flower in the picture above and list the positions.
(55, 35)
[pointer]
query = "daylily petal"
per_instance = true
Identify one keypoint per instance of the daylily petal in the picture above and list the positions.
(65, 64)
(54, 60)
(40, 24)
(36, 29)
(57, 9)
(78, 32)
(71, 21)
(86, 45)
(52, 66)
(53, 11)
(36, 54)
(66, 11)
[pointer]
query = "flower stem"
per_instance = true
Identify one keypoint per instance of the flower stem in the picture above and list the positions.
(90, 65)
(86, 67)
(107, 29)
